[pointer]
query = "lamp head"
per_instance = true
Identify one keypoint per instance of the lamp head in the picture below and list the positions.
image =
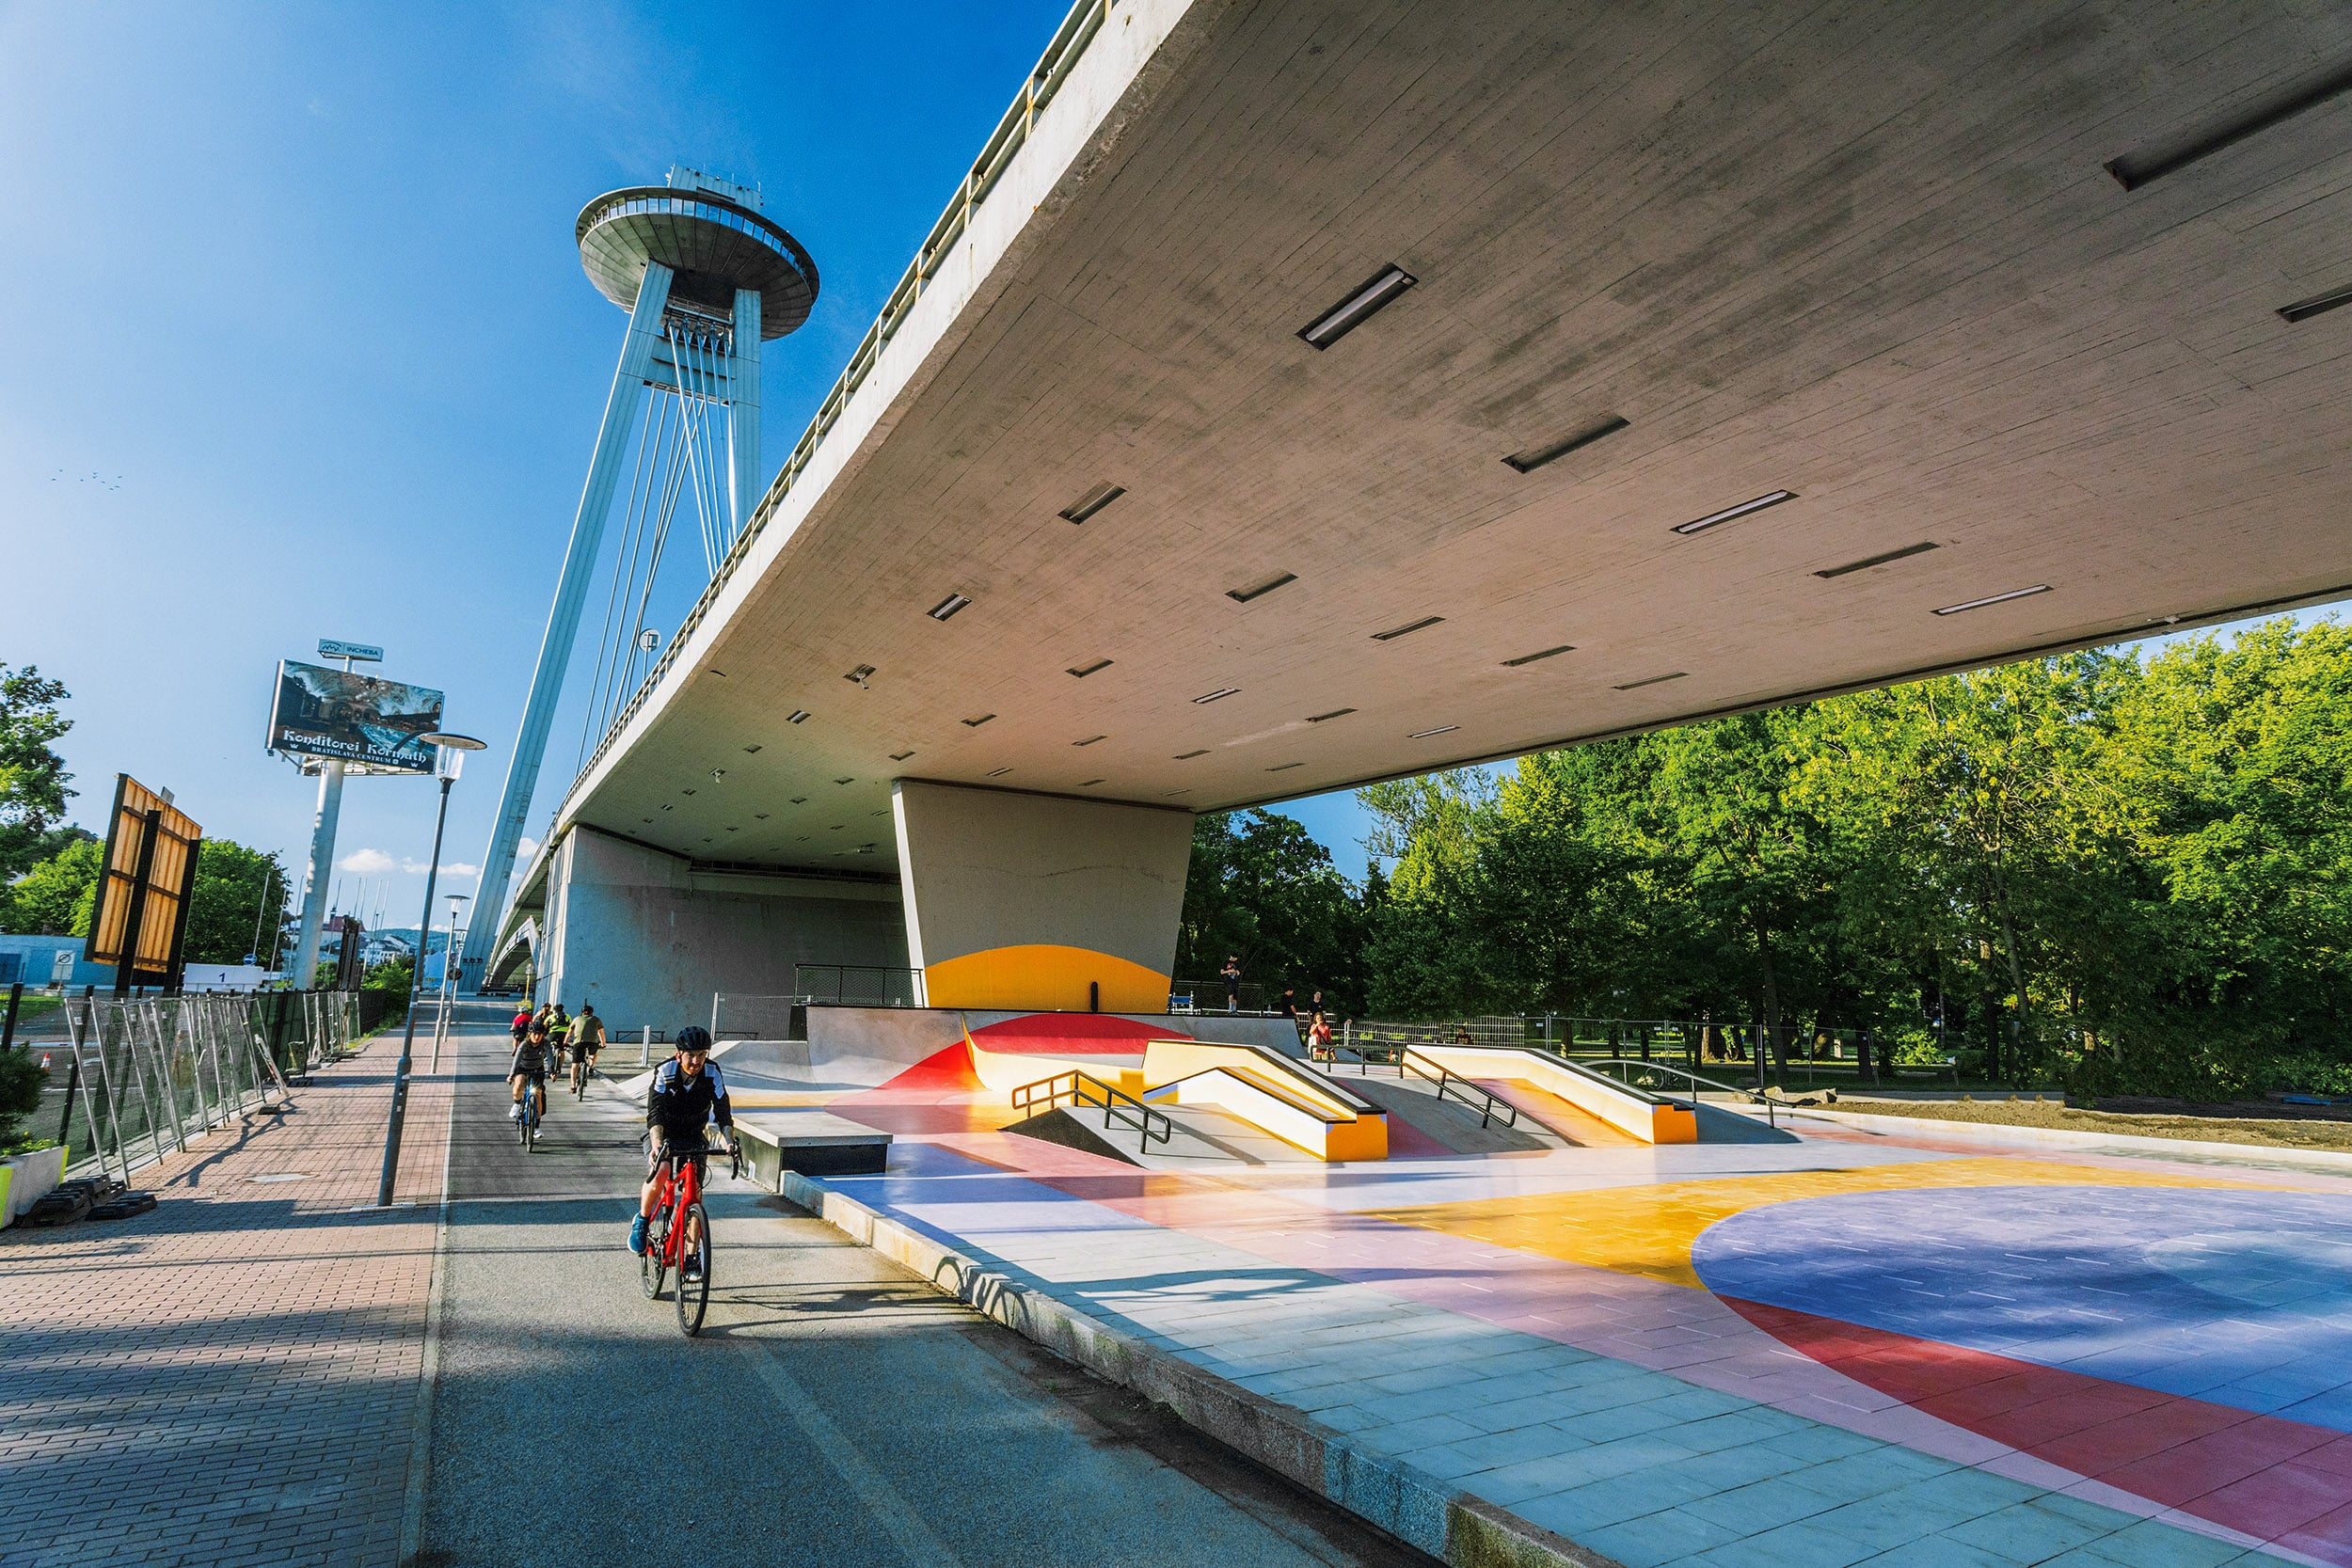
(450, 754)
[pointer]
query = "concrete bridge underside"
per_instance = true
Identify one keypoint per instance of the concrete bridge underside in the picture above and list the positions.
(1873, 256)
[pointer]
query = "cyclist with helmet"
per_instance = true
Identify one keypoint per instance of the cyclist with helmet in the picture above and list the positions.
(687, 1094)
(532, 1057)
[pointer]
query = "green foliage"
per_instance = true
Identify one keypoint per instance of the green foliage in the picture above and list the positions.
(20, 1095)
(53, 899)
(33, 778)
(2129, 875)
(232, 886)
(1262, 887)
(393, 976)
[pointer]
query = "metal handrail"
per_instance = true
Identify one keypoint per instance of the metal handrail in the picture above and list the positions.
(1078, 29)
(1761, 1096)
(1445, 1077)
(1116, 1104)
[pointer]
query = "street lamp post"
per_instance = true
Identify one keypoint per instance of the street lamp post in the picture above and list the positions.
(449, 977)
(449, 758)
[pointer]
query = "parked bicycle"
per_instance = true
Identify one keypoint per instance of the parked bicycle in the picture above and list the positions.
(678, 1238)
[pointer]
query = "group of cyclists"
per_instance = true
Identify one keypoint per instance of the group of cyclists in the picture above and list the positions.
(687, 1094)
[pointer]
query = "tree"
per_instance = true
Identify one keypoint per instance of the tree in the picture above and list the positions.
(33, 779)
(1260, 887)
(238, 891)
(53, 899)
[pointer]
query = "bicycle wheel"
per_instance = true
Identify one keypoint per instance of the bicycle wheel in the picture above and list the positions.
(650, 1267)
(522, 1123)
(693, 1270)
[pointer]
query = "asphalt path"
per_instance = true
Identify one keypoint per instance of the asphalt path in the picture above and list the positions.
(835, 1410)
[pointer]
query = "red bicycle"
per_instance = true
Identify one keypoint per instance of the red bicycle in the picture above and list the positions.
(677, 1237)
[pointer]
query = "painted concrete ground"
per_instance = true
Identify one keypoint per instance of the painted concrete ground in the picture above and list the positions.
(1897, 1351)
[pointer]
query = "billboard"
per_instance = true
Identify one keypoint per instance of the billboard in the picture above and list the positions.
(379, 724)
(141, 910)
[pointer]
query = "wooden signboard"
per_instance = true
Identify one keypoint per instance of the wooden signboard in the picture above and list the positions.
(140, 918)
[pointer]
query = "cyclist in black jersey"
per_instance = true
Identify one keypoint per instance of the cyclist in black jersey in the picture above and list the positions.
(533, 1057)
(687, 1094)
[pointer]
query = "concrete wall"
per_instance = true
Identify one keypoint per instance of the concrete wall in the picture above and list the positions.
(649, 938)
(873, 1045)
(1026, 901)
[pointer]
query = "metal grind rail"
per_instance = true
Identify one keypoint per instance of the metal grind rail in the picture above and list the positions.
(1490, 1106)
(1094, 1094)
(1759, 1097)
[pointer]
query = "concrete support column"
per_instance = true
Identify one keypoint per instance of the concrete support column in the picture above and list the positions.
(1039, 902)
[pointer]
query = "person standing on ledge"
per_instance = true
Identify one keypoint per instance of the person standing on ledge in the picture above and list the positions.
(1232, 975)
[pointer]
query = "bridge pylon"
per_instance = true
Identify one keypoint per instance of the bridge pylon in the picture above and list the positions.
(706, 279)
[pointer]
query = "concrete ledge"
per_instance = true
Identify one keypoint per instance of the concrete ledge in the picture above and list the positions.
(1432, 1515)
(2321, 1161)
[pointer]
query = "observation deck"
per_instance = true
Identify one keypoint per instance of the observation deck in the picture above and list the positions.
(713, 246)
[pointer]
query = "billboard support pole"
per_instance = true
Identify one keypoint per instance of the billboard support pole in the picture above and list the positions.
(306, 956)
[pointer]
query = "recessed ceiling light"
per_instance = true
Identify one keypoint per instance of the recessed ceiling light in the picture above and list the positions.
(845, 781)
(749, 751)
(1880, 560)
(859, 675)
(2318, 305)
(1529, 659)
(1220, 691)
(721, 673)
(645, 820)
(730, 830)
(1360, 305)
(1088, 670)
(1698, 525)
(665, 806)
(800, 800)
(1089, 741)
(1285, 766)
(900, 756)
(759, 817)
(1654, 680)
(1243, 596)
(1996, 598)
(1181, 756)
(975, 723)
(1442, 729)
(690, 792)
(1536, 457)
(1171, 794)
(1092, 502)
(1395, 632)
(997, 772)
(1089, 783)
(1335, 713)
(798, 715)
(2135, 169)
(947, 607)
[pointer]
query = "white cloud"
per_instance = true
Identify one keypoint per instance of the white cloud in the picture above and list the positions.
(528, 847)
(375, 862)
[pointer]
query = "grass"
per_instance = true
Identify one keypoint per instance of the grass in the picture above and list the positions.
(2271, 1132)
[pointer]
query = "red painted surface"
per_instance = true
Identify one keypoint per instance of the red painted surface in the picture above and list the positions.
(1074, 1034)
(2278, 1479)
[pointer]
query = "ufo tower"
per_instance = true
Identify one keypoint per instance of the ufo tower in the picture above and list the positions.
(706, 279)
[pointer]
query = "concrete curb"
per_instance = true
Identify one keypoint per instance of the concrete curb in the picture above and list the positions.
(2323, 1161)
(1440, 1518)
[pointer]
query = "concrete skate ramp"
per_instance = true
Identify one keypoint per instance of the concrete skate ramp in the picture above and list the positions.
(866, 1047)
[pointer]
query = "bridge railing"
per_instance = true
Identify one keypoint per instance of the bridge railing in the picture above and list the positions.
(1077, 30)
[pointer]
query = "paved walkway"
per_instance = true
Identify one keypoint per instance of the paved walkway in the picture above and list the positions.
(1897, 1350)
(231, 1378)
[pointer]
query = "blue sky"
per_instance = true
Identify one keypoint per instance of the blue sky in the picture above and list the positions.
(300, 345)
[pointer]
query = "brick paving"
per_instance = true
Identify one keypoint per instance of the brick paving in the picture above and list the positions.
(234, 1378)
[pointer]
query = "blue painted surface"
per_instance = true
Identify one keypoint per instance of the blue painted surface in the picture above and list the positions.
(34, 955)
(2242, 1298)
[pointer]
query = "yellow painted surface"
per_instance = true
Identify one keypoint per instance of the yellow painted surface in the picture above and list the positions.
(1621, 1108)
(1044, 977)
(1256, 1098)
(1649, 1230)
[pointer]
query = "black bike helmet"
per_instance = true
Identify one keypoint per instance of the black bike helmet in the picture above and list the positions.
(693, 1038)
